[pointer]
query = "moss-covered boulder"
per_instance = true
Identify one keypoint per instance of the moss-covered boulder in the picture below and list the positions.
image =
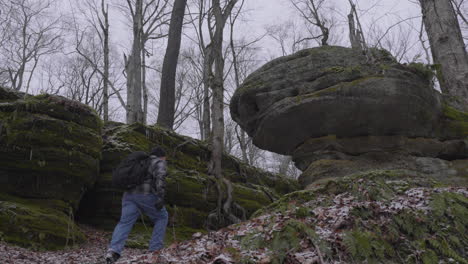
(382, 216)
(338, 111)
(37, 224)
(50, 147)
(191, 194)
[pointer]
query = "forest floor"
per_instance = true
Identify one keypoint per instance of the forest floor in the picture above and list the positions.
(293, 233)
(92, 251)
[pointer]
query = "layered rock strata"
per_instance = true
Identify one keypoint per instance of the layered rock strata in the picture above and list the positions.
(191, 193)
(338, 111)
(50, 149)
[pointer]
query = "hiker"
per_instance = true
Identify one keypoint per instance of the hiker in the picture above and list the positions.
(147, 197)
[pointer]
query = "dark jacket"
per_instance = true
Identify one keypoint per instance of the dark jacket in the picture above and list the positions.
(155, 181)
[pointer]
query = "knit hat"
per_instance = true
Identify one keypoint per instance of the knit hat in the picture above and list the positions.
(158, 152)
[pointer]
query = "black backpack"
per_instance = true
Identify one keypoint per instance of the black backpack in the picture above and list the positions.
(131, 171)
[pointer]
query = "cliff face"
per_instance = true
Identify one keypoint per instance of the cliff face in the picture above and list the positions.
(338, 112)
(56, 162)
(50, 149)
(191, 193)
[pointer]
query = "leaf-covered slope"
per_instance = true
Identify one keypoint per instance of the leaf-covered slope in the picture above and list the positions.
(376, 217)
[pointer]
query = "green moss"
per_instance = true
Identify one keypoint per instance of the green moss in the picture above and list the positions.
(423, 70)
(190, 193)
(285, 241)
(302, 212)
(453, 114)
(455, 122)
(37, 130)
(141, 235)
(28, 224)
(61, 108)
(377, 185)
(187, 217)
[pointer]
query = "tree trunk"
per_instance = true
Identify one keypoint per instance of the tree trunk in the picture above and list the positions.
(166, 111)
(216, 81)
(448, 48)
(143, 82)
(353, 36)
(207, 76)
(105, 92)
(134, 111)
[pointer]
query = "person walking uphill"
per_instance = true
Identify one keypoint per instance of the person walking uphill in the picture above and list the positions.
(143, 178)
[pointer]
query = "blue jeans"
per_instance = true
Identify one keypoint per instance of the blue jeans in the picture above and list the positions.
(132, 205)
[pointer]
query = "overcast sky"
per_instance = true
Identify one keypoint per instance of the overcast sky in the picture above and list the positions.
(262, 13)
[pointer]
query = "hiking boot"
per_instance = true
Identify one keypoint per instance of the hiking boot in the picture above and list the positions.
(112, 257)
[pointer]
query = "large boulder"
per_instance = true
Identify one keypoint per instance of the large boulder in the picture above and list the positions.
(338, 111)
(191, 193)
(50, 149)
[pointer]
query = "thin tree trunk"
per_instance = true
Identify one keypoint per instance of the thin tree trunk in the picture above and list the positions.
(166, 113)
(216, 80)
(143, 82)
(353, 36)
(105, 92)
(448, 48)
(134, 111)
(207, 76)
(241, 137)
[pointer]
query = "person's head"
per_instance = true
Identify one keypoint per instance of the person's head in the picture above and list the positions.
(158, 152)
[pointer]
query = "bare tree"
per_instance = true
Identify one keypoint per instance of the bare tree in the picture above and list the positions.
(193, 59)
(215, 66)
(133, 66)
(156, 19)
(461, 7)
(448, 48)
(31, 34)
(96, 13)
(356, 33)
(166, 113)
(311, 11)
(289, 37)
(149, 19)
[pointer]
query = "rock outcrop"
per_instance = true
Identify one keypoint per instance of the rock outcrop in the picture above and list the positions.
(191, 193)
(50, 149)
(338, 112)
(54, 167)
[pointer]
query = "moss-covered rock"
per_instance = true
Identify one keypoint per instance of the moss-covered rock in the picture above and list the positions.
(8, 95)
(37, 224)
(334, 91)
(190, 193)
(50, 147)
(338, 111)
(451, 172)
